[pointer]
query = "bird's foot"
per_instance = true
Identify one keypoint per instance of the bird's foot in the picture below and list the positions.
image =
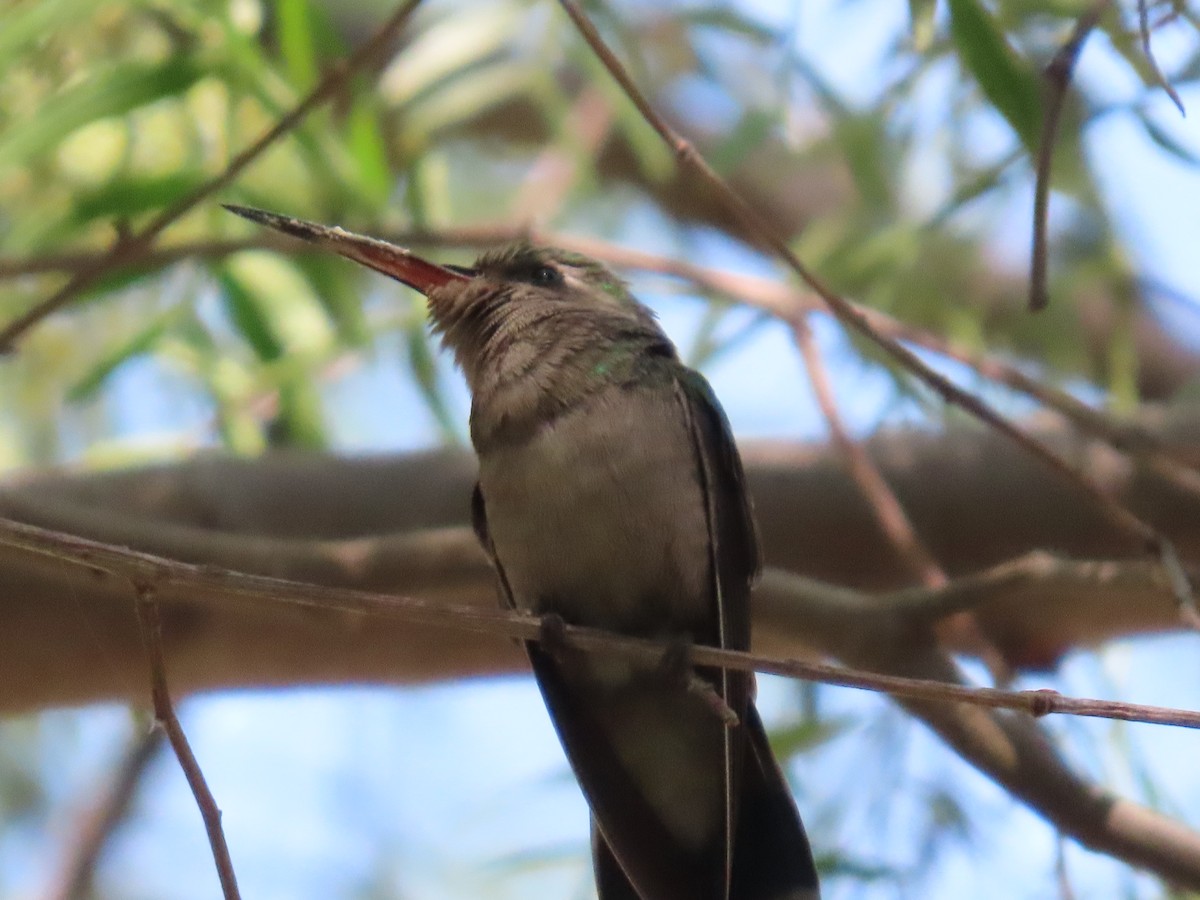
(676, 664)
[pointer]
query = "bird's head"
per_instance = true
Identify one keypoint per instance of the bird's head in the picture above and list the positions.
(539, 297)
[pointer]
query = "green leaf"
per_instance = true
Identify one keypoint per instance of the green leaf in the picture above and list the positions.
(300, 422)
(871, 158)
(368, 148)
(125, 197)
(449, 48)
(921, 14)
(723, 19)
(755, 127)
(294, 21)
(1006, 80)
(112, 92)
(341, 297)
(248, 317)
(273, 306)
(806, 734)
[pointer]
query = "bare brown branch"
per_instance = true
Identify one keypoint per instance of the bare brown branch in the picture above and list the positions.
(893, 521)
(1058, 82)
(898, 647)
(165, 718)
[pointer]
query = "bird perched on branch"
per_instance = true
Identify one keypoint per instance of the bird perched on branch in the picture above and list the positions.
(611, 495)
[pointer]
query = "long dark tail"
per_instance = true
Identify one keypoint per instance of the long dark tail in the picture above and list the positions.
(771, 857)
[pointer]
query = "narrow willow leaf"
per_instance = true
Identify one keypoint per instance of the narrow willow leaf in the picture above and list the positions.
(921, 15)
(871, 157)
(755, 127)
(294, 21)
(300, 422)
(341, 297)
(368, 148)
(273, 306)
(1007, 81)
(248, 317)
(112, 92)
(449, 47)
(125, 197)
(725, 20)
(807, 734)
(25, 23)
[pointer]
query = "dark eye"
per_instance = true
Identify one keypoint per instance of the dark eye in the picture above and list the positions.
(545, 276)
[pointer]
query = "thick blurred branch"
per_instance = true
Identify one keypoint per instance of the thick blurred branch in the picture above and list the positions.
(400, 524)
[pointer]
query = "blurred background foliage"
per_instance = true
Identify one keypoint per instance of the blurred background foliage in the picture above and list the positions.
(908, 190)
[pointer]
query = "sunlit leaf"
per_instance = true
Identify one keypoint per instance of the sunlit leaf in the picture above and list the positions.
(300, 421)
(294, 21)
(273, 306)
(340, 296)
(26, 23)
(448, 49)
(921, 16)
(368, 148)
(111, 92)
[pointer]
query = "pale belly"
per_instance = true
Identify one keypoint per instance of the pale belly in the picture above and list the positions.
(600, 517)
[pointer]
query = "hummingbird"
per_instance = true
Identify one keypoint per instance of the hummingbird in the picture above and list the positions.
(611, 495)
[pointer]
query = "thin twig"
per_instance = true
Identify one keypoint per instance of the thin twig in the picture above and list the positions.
(165, 718)
(96, 825)
(959, 629)
(1058, 82)
(156, 574)
(1146, 536)
(129, 248)
(1144, 32)
(889, 513)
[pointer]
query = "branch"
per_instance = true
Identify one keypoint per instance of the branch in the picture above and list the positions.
(153, 574)
(165, 718)
(1138, 836)
(1010, 749)
(893, 521)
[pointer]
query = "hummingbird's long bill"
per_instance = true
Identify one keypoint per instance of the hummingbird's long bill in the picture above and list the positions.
(388, 259)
